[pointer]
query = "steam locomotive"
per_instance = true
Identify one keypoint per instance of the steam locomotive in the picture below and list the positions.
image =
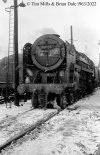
(55, 70)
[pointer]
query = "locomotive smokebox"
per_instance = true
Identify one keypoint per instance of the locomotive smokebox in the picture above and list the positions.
(48, 52)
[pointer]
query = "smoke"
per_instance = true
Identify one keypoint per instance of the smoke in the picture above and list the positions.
(47, 31)
(44, 31)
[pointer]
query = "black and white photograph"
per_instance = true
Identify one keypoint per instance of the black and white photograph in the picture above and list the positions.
(49, 77)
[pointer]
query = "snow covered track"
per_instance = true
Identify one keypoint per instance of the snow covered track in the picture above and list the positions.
(19, 126)
(73, 131)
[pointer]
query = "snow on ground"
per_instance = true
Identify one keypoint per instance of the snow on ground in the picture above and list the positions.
(75, 131)
(8, 116)
(14, 110)
(17, 122)
(91, 101)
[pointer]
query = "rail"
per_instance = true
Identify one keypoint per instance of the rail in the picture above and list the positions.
(29, 129)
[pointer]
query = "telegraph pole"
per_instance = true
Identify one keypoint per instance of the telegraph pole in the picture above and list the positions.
(71, 35)
(99, 54)
(16, 100)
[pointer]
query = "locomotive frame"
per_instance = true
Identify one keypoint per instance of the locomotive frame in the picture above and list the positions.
(53, 75)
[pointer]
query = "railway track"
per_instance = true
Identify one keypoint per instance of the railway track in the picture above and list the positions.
(29, 129)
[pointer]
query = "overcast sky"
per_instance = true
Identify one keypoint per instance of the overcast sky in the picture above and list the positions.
(37, 20)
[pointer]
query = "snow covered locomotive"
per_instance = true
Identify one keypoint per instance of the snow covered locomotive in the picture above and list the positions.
(54, 69)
